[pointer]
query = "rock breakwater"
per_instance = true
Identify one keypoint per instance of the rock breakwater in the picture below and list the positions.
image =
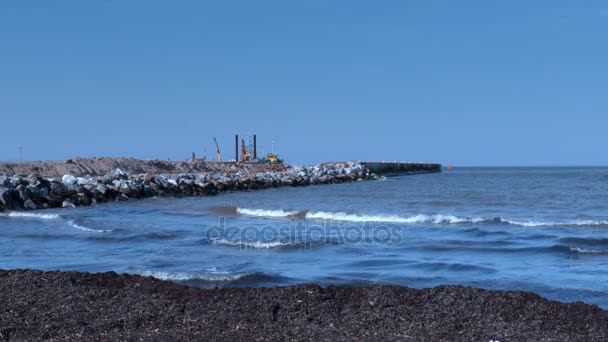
(36, 192)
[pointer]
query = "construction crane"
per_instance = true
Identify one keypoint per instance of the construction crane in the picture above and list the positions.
(243, 151)
(217, 148)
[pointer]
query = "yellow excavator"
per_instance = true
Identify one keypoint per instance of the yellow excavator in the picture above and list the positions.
(217, 148)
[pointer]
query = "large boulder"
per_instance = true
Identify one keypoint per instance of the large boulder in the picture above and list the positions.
(53, 201)
(119, 174)
(15, 181)
(101, 188)
(148, 177)
(114, 175)
(29, 204)
(67, 203)
(161, 181)
(6, 197)
(69, 180)
(86, 181)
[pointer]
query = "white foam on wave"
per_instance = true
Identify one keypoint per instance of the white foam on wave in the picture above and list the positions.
(39, 216)
(22, 214)
(588, 250)
(251, 244)
(73, 224)
(266, 213)
(341, 216)
(182, 276)
(435, 219)
(414, 219)
(588, 223)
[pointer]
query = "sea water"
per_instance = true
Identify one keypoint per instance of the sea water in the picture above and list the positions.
(536, 229)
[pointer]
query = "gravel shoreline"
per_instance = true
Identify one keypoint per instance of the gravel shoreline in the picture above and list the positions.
(40, 305)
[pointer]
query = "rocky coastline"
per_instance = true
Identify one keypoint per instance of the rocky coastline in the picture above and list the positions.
(74, 306)
(35, 192)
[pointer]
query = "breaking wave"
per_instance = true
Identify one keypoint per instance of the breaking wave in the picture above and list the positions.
(588, 223)
(436, 219)
(21, 214)
(253, 244)
(414, 219)
(266, 213)
(39, 216)
(75, 225)
(219, 279)
(579, 250)
(182, 276)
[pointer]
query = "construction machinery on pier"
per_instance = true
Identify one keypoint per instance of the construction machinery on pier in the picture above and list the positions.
(217, 148)
(248, 154)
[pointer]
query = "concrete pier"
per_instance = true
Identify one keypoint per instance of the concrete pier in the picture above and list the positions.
(401, 168)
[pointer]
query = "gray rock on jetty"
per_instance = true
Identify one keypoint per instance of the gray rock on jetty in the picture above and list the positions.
(36, 192)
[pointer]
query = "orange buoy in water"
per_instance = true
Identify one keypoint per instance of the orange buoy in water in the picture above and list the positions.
(450, 166)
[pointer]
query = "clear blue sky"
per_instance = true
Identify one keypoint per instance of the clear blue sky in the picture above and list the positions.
(467, 82)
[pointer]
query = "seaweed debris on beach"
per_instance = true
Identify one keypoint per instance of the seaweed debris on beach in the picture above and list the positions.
(40, 305)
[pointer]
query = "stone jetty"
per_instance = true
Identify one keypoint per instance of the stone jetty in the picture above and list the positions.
(37, 192)
(401, 168)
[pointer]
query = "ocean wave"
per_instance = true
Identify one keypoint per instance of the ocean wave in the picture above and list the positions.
(253, 244)
(266, 213)
(39, 216)
(348, 217)
(579, 250)
(558, 249)
(212, 279)
(75, 225)
(587, 223)
(183, 276)
(591, 241)
(453, 267)
(135, 237)
(22, 214)
(482, 232)
(436, 219)
(414, 219)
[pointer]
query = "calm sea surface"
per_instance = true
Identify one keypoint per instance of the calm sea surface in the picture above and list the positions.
(538, 229)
